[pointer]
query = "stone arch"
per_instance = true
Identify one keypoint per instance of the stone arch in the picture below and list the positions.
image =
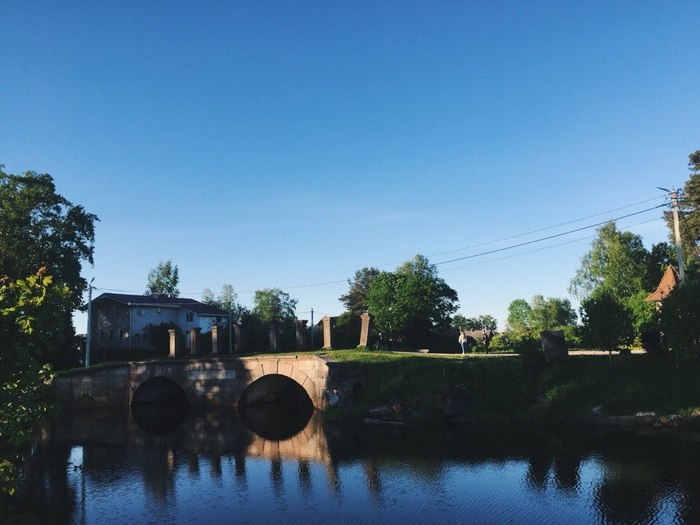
(142, 372)
(287, 368)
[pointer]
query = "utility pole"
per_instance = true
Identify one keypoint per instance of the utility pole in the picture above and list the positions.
(88, 338)
(230, 340)
(312, 329)
(676, 231)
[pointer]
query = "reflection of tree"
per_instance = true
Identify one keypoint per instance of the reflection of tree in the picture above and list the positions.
(374, 480)
(304, 474)
(333, 477)
(158, 478)
(628, 494)
(277, 478)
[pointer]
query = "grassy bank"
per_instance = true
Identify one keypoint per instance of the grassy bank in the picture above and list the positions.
(504, 389)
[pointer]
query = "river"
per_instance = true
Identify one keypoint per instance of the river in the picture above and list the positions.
(110, 467)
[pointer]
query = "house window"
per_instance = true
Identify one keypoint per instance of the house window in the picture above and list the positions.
(102, 336)
(158, 310)
(116, 309)
(189, 318)
(111, 335)
(140, 311)
(121, 334)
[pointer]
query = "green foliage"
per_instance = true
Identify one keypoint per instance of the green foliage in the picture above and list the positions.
(524, 343)
(346, 333)
(272, 304)
(616, 261)
(500, 343)
(355, 300)
(607, 323)
(159, 336)
(40, 228)
(680, 320)
(519, 314)
(644, 314)
(227, 300)
(689, 204)
(550, 314)
(412, 305)
(163, 279)
(25, 312)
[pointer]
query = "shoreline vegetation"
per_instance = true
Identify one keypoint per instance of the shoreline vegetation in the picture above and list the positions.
(635, 390)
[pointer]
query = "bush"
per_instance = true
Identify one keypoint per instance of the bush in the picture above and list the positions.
(525, 344)
(607, 323)
(571, 334)
(159, 336)
(500, 343)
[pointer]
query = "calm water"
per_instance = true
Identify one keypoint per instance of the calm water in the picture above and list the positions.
(210, 468)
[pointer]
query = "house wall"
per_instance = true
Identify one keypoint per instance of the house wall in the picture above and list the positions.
(110, 325)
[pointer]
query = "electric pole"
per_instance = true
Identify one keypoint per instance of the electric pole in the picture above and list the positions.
(88, 338)
(312, 329)
(676, 230)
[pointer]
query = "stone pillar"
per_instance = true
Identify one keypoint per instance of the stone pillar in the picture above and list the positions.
(274, 336)
(174, 342)
(215, 339)
(327, 339)
(365, 330)
(301, 333)
(239, 346)
(194, 340)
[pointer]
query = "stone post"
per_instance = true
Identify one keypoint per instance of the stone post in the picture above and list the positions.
(174, 342)
(274, 336)
(215, 339)
(239, 346)
(327, 327)
(194, 340)
(301, 333)
(365, 330)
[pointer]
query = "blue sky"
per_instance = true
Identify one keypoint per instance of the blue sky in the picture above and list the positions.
(289, 144)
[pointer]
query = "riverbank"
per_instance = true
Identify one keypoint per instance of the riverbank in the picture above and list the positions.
(621, 390)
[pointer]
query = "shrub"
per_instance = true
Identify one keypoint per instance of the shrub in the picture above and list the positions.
(500, 343)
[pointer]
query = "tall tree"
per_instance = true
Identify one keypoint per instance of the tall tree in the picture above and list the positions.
(412, 304)
(616, 261)
(41, 228)
(227, 300)
(546, 314)
(689, 204)
(519, 314)
(272, 304)
(163, 279)
(607, 322)
(355, 300)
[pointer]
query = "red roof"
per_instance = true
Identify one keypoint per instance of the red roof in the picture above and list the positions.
(668, 282)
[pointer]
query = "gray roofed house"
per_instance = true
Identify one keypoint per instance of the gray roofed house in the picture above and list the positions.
(120, 321)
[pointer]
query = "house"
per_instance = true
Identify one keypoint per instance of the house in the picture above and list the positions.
(120, 321)
(668, 282)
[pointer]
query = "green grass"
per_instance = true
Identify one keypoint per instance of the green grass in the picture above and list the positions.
(508, 389)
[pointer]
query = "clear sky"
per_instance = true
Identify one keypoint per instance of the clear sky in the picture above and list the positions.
(289, 144)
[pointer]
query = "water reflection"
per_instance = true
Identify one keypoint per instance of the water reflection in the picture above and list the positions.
(212, 467)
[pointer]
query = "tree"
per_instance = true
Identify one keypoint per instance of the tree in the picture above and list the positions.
(607, 323)
(689, 204)
(272, 304)
(163, 279)
(680, 320)
(227, 300)
(547, 314)
(519, 315)
(28, 315)
(616, 261)
(40, 228)
(355, 300)
(412, 305)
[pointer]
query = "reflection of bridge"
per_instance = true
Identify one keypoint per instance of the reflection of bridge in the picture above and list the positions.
(205, 382)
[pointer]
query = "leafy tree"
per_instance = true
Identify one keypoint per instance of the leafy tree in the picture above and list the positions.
(519, 314)
(163, 279)
(227, 300)
(482, 322)
(607, 323)
(616, 261)
(547, 314)
(355, 300)
(41, 228)
(28, 312)
(680, 320)
(689, 204)
(412, 305)
(272, 304)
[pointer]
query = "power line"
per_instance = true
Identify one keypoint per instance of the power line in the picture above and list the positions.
(513, 246)
(486, 243)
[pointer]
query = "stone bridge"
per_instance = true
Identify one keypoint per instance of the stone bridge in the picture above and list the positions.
(204, 382)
